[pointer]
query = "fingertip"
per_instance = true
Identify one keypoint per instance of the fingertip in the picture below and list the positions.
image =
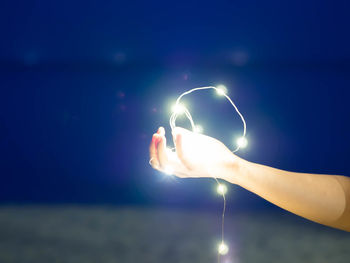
(161, 130)
(154, 136)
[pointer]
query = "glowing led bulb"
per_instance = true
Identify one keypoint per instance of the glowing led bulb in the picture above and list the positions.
(242, 142)
(198, 129)
(221, 189)
(178, 108)
(223, 248)
(221, 90)
(168, 170)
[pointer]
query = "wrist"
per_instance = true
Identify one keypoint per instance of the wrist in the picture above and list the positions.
(234, 170)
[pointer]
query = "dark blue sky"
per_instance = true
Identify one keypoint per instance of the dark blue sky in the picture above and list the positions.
(85, 84)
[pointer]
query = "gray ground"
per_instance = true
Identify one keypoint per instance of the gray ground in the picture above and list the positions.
(105, 234)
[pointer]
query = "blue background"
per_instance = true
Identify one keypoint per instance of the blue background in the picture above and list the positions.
(84, 84)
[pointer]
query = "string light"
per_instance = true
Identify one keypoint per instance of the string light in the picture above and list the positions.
(242, 142)
(221, 189)
(223, 248)
(221, 90)
(178, 108)
(198, 129)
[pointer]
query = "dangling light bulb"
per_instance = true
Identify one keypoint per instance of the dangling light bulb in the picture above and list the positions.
(242, 142)
(178, 108)
(198, 129)
(223, 248)
(221, 90)
(221, 189)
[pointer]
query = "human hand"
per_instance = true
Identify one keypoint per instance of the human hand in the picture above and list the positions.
(196, 155)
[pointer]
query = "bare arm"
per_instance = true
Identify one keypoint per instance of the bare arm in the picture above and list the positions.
(321, 198)
(324, 199)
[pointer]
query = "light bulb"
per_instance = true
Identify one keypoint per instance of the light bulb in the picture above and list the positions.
(221, 90)
(223, 248)
(221, 189)
(198, 129)
(178, 108)
(242, 142)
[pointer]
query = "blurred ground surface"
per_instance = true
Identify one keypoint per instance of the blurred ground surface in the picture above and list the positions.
(110, 234)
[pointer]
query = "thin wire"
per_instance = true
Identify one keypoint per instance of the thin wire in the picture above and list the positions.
(184, 110)
(223, 212)
(175, 114)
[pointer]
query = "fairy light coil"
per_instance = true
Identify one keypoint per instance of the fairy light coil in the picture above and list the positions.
(180, 109)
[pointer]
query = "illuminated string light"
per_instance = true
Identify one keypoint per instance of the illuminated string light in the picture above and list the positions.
(198, 129)
(242, 142)
(178, 109)
(221, 189)
(221, 90)
(223, 248)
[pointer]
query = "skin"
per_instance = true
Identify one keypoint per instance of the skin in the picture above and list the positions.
(321, 198)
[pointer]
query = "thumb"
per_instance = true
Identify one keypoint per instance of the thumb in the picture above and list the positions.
(178, 141)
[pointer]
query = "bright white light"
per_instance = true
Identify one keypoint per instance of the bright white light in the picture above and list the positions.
(178, 108)
(223, 249)
(242, 142)
(198, 129)
(168, 170)
(169, 150)
(221, 90)
(171, 154)
(221, 189)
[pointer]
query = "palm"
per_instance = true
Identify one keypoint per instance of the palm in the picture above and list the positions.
(196, 155)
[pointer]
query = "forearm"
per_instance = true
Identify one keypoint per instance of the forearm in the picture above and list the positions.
(320, 198)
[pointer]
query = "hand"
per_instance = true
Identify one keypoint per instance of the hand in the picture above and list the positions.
(196, 155)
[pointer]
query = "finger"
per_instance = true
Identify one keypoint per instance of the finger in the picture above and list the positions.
(153, 151)
(161, 131)
(180, 153)
(162, 154)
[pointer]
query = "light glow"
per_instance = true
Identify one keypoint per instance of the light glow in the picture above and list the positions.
(221, 90)
(223, 248)
(242, 142)
(168, 170)
(198, 129)
(221, 189)
(199, 156)
(178, 108)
